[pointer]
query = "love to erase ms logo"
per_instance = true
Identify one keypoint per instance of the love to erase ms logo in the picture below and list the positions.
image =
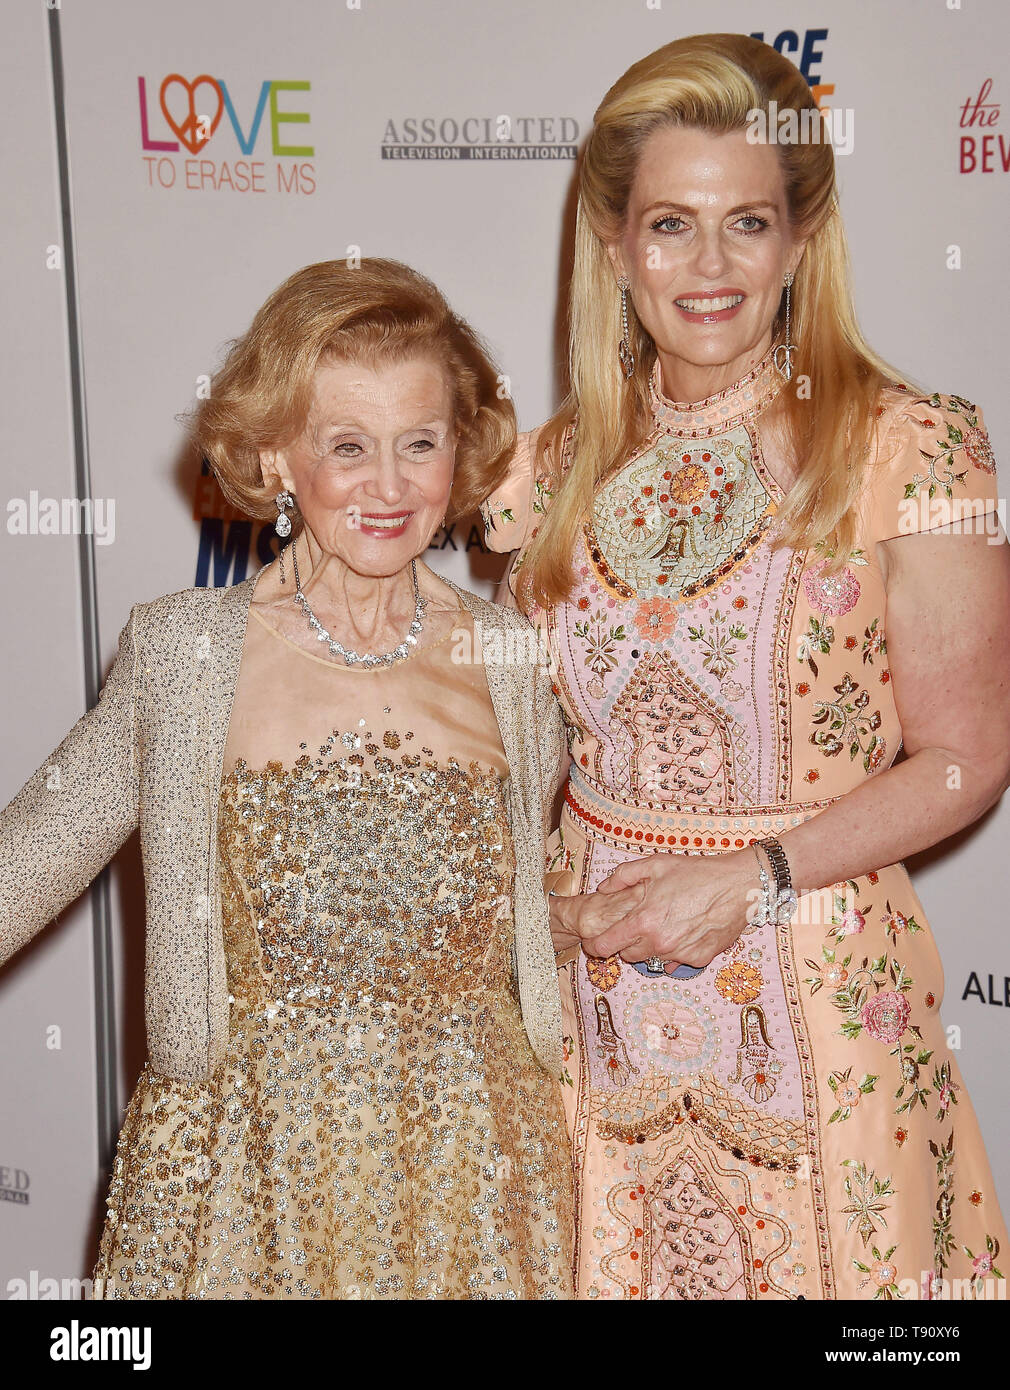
(249, 146)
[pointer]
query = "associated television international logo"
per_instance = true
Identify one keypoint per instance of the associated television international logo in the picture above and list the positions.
(481, 139)
(14, 1185)
(252, 148)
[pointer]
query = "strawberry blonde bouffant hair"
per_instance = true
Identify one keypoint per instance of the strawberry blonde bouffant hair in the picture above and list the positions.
(711, 82)
(373, 311)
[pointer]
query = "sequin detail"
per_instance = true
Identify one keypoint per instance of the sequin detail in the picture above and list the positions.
(381, 1127)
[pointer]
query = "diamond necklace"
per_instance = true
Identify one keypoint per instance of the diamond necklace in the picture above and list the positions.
(364, 658)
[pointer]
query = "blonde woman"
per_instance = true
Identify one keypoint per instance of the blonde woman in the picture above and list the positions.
(734, 536)
(352, 1008)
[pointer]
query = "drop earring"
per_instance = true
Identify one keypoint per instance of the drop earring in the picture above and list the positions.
(624, 353)
(783, 354)
(283, 523)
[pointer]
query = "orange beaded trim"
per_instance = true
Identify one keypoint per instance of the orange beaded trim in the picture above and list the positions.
(680, 832)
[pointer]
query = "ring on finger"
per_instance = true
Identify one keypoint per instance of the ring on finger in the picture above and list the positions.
(655, 966)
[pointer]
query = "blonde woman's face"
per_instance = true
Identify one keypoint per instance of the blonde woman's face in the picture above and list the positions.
(706, 245)
(373, 469)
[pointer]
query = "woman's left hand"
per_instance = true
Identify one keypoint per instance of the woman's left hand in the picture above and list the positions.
(695, 907)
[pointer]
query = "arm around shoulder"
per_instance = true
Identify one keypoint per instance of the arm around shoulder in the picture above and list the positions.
(553, 743)
(506, 511)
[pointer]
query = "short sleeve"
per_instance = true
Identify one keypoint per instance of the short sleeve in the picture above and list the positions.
(936, 467)
(512, 512)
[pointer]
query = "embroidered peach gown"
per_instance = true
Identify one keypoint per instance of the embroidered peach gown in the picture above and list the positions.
(788, 1122)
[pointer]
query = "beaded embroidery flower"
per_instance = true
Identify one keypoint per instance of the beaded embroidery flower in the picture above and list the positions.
(885, 1016)
(978, 448)
(834, 594)
(656, 618)
(738, 982)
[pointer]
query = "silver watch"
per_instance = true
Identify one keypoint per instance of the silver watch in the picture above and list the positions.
(784, 899)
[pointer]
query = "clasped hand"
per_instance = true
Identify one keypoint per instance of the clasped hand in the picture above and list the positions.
(683, 909)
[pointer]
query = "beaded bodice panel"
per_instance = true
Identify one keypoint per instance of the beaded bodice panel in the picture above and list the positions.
(368, 869)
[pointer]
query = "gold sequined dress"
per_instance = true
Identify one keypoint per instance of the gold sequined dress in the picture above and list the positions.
(381, 1127)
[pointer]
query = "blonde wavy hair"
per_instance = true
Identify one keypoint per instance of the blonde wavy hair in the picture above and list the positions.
(710, 82)
(374, 311)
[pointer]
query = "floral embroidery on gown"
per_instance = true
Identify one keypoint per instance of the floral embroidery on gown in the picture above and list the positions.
(380, 1127)
(787, 1122)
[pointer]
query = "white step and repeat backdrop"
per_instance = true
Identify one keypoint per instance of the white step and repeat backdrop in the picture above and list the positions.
(339, 125)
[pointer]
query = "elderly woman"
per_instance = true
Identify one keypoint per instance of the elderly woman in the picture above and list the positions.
(743, 538)
(352, 1006)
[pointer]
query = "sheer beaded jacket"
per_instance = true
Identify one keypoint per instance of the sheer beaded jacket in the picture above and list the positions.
(150, 753)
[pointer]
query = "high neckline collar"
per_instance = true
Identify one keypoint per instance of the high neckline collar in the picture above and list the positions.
(719, 412)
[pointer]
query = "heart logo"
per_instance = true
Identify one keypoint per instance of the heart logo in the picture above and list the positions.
(188, 130)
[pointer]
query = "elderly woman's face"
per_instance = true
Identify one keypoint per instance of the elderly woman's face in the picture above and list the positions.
(372, 471)
(706, 244)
